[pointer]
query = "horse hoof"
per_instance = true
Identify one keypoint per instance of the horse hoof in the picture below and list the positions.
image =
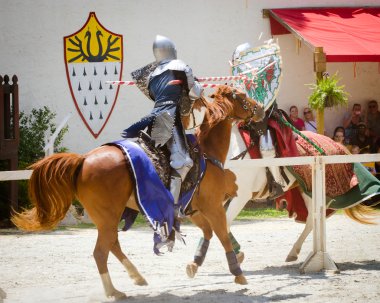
(240, 257)
(118, 295)
(141, 282)
(241, 280)
(191, 270)
(291, 258)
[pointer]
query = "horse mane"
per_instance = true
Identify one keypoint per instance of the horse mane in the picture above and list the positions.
(217, 110)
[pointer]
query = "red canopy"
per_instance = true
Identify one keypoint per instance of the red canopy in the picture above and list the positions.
(346, 34)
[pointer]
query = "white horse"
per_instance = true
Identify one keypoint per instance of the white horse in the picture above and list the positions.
(252, 184)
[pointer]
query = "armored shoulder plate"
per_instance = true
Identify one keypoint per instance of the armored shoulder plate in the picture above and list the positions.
(177, 65)
(141, 76)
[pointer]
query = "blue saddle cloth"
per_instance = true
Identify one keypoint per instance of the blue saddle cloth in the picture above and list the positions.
(154, 199)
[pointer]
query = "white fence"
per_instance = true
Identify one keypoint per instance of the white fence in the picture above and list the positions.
(318, 259)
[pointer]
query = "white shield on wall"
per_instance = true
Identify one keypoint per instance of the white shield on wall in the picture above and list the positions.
(93, 55)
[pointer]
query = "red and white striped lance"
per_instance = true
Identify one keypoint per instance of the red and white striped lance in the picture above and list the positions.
(203, 79)
(225, 78)
(127, 83)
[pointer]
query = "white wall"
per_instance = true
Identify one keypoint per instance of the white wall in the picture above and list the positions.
(205, 32)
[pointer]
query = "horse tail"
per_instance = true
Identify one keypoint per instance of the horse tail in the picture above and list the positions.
(52, 188)
(362, 213)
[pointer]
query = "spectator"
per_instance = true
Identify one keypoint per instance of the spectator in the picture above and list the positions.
(297, 122)
(355, 150)
(370, 166)
(310, 123)
(351, 121)
(373, 120)
(338, 135)
(362, 139)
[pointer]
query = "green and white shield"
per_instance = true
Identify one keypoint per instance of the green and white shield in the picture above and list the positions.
(261, 68)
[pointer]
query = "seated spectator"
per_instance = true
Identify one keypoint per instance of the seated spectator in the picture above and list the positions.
(351, 121)
(310, 123)
(370, 166)
(355, 150)
(297, 122)
(338, 135)
(373, 120)
(362, 139)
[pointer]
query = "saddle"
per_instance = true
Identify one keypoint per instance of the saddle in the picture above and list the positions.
(152, 175)
(150, 166)
(160, 157)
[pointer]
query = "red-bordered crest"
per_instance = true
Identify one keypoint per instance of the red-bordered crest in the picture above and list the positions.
(93, 55)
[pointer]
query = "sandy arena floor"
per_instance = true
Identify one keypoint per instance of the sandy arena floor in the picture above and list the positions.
(58, 266)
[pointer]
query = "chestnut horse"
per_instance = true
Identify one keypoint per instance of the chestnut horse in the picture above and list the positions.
(104, 185)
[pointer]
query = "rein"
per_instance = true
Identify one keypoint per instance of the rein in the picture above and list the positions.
(214, 161)
(241, 155)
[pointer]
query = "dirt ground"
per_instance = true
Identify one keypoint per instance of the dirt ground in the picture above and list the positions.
(58, 266)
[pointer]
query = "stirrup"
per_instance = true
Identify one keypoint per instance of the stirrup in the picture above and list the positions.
(178, 214)
(275, 190)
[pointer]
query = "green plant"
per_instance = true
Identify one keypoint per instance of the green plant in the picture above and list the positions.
(327, 93)
(34, 128)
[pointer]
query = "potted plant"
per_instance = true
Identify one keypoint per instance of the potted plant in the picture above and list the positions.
(326, 93)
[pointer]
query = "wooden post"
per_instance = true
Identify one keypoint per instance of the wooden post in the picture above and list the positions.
(318, 259)
(319, 69)
(9, 130)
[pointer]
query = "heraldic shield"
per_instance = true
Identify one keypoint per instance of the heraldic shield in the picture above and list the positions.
(261, 67)
(93, 55)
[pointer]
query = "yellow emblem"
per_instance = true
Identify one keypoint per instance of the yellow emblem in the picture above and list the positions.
(93, 55)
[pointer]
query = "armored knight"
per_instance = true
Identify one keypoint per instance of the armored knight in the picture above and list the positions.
(267, 149)
(170, 102)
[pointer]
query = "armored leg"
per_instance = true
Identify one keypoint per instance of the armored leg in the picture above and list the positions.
(180, 162)
(275, 179)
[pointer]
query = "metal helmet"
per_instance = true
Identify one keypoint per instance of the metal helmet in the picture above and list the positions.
(164, 49)
(240, 48)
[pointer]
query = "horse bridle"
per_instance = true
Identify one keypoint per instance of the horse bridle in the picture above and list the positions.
(246, 105)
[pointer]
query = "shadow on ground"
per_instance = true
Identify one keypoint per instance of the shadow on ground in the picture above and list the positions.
(215, 296)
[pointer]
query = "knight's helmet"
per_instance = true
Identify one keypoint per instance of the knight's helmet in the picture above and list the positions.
(240, 48)
(164, 49)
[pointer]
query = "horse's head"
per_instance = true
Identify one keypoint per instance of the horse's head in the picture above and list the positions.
(242, 107)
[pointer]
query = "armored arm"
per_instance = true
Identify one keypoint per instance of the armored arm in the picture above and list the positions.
(195, 89)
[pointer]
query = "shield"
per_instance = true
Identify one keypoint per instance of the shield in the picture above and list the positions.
(261, 67)
(93, 55)
(141, 77)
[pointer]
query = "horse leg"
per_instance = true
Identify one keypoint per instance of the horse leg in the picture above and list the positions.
(236, 247)
(217, 219)
(233, 210)
(131, 269)
(293, 254)
(199, 220)
(244, 194)
(107, 238)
